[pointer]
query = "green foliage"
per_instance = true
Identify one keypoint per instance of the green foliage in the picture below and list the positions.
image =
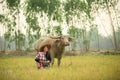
(12, 4)
(86, 42)
(58, 15)
(53, 7)
(72, 31)
(7, 35)
(76, 34)
(9, 38)
(32, 21)
(48, 30)
(75, 7)
(17, 36)
(102, 3)
(93, 32)
(58, 30)
(48, 6)
(36, 5)
(21, 39)
(54, 11)
(2, 17)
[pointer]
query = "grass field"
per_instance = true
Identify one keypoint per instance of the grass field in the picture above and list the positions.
(89, 67)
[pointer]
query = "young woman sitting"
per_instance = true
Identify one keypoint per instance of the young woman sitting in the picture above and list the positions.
(43, 58)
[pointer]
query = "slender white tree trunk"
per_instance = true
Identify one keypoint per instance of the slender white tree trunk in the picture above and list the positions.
(113, 28)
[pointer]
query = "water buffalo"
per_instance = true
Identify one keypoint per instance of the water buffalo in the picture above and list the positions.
(57, 46)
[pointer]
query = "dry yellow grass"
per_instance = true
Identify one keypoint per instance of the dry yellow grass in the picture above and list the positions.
(103, 67)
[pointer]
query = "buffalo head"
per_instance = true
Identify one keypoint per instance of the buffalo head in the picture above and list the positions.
(65, 40)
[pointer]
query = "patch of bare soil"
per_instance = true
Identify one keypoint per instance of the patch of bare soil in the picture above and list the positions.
(66, 53)
(94, 52)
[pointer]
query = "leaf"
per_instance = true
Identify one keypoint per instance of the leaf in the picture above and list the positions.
(7, 35)
(58, 30)
(13, 3)
(2, 17)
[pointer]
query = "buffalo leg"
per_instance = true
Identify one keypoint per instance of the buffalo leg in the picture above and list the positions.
(59, 61)
(52, 59)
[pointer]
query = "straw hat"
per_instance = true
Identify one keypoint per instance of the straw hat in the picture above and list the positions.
(42, 42)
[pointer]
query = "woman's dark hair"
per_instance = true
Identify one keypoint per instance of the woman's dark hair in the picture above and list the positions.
(42, 49)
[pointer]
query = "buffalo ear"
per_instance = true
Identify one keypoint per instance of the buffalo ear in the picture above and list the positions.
(57, 40)
(70, 39)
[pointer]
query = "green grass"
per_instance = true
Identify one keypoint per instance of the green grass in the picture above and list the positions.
(103, 67)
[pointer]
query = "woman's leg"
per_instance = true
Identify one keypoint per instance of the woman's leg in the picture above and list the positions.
(38, 65)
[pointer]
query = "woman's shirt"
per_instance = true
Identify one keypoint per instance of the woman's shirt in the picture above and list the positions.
(41, 56)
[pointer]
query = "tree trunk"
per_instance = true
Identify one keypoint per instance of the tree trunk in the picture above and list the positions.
(4, 28)
(113, 29)
(4, 40)
(85, 40)
(18, 30)
(98, 41)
